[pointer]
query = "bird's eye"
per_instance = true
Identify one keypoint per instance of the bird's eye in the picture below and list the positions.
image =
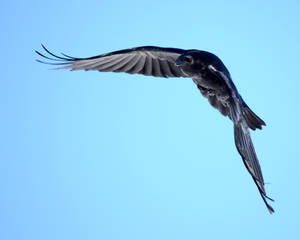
(188, 59)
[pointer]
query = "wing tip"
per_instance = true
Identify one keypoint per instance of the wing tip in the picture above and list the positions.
(269, 207)
(271, 210)
(55, 59)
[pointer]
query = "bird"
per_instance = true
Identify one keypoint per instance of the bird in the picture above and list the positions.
(206, 70)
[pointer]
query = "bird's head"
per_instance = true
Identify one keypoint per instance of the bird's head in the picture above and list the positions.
(195, 62)
(191, 62)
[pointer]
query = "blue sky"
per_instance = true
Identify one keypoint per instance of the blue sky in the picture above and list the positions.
(88, 155)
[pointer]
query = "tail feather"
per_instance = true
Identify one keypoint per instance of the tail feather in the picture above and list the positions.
(246, 149)
(252, 119)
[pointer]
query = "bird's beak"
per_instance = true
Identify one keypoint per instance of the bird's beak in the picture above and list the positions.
(178, 61)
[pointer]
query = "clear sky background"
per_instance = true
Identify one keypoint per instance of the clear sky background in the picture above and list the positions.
(89, 155)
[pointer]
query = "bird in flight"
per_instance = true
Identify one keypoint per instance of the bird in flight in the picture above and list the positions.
(206, 70)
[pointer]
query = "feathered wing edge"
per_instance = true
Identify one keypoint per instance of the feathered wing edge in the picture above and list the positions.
(246, 149)
(58, 60)
(146, 60)
(242, 137)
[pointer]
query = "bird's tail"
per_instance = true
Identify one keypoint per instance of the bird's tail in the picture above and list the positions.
(246, 149)
(252, 119)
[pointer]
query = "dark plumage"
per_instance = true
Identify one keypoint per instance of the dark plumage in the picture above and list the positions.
(208, 73)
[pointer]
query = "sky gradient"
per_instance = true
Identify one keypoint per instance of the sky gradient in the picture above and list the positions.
(89, 155)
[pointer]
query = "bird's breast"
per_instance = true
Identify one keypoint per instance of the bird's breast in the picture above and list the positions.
(207, 82)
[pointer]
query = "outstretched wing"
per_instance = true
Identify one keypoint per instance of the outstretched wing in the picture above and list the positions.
(242, 136)
(148, 60)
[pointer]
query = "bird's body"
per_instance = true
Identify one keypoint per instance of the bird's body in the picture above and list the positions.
(206, 70)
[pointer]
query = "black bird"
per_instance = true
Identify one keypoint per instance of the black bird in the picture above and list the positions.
(206, 70)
